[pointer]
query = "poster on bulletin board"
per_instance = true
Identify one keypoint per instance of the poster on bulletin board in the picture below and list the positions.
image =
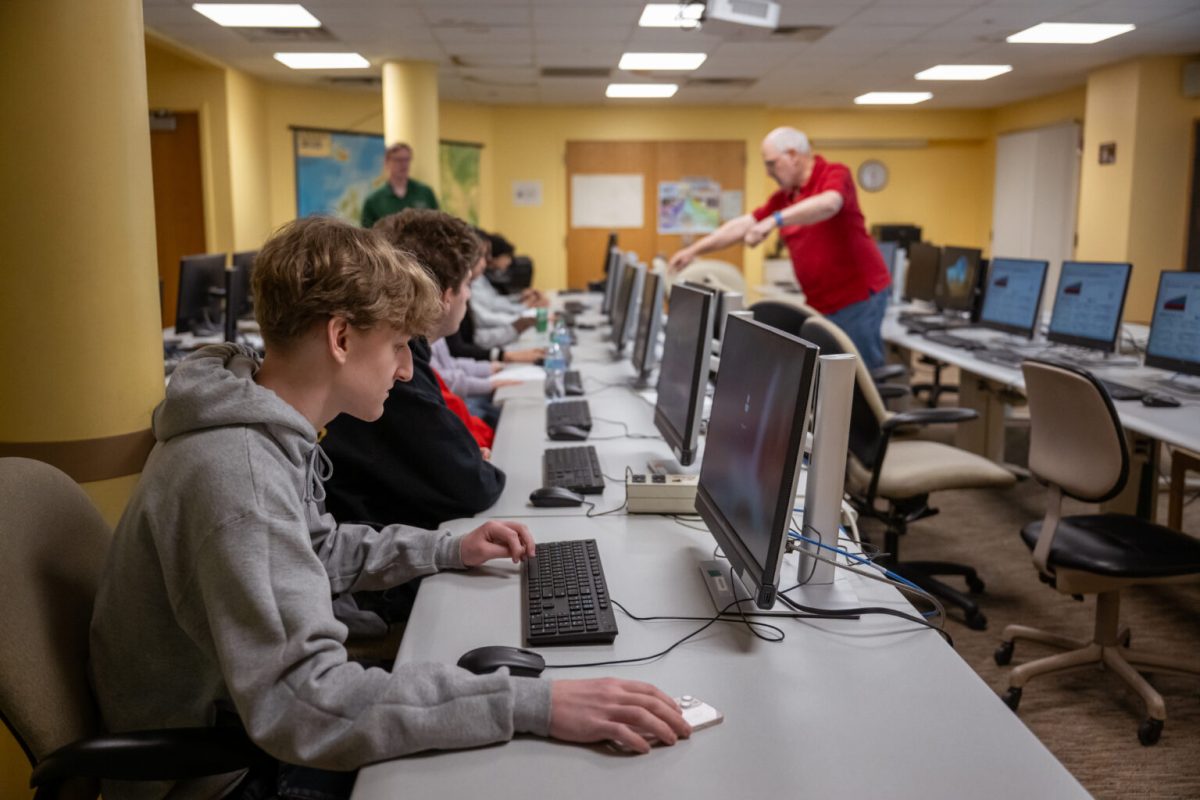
(688, 207)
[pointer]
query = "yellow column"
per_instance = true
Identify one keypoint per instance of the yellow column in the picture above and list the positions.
(79, 317)
(410, 114)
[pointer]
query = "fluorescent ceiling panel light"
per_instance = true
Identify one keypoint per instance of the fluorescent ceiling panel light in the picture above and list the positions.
(322, 60)
(892, 98)
(641, 90)
(671, 15)
(661, 61)
(1068, 33)
(963, 72)
(260, 15)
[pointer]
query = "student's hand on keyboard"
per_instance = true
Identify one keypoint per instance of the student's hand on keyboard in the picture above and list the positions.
(608, 709)
(497, 540)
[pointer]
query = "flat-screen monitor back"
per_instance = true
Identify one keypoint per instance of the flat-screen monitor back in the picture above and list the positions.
(625, 305)
(752, 456)
(612, 280)
(201, 284)
(683, 376)
(1012, 298)
(1174, 342)
(649, 323)
(243, 265)
(887, 251)
(958, 278)
(1088, 304)
(923, 262)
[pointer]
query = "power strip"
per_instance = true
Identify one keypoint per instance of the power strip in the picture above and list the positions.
(661, 494)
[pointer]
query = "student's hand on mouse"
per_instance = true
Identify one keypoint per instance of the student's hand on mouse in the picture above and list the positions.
(497, 540)
(604, 709)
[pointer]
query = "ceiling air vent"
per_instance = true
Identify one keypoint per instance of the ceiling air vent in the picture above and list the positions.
(721, 83)
(356, 81)
(576, 72)
(286, 35)
(799, 33)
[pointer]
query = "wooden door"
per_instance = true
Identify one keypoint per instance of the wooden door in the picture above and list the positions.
(720, 161)
(178, 202)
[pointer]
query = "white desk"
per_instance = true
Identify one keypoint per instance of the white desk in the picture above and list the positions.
(867, 708)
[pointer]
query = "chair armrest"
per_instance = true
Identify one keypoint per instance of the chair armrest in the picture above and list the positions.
(892, 391)
(888, 372)
(928, 416)
(158, 755)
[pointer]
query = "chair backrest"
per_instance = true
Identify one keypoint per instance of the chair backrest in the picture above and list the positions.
(868, 412)
(710, 272)
(785, 315)
(55, 543)
(520, 273)
(1075, 438)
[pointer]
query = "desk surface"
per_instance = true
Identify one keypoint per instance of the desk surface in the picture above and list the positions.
(865, 708)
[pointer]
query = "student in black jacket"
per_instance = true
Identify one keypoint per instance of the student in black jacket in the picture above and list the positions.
(417, 464)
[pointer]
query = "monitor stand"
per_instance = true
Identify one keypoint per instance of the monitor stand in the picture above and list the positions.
(837, 595)
(671, 466)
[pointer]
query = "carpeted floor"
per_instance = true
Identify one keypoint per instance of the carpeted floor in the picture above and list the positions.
(1088, 719)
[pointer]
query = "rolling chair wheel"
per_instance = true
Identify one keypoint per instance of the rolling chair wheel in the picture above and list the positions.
(1127, 638)
(1003, 654)
(975, 584)
(976, 621)
(1012, 698)
(1149, 732)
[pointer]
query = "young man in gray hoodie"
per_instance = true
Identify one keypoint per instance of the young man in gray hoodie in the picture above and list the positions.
(218, 588)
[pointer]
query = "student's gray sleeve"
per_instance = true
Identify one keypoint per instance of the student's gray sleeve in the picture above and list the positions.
(360, 557)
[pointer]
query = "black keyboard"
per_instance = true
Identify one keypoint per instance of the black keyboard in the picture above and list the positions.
(569, 412)
(573, 382)
(1119, 391)
(952, 340)
(565, 597)
(931, 322)
(1005, 358)
(574, 468)
(575, 306)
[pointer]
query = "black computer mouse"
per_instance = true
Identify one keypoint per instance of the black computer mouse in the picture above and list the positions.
(554, 496)
(1159, 401)
(566, 433)
(522, 663)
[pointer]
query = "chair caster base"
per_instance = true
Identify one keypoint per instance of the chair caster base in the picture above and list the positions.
(1003, 654)
(976, 621)
(1149, 732)
(1012, 698)
(975, 584)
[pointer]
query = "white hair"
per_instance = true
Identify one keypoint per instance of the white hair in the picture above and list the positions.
(784, 139)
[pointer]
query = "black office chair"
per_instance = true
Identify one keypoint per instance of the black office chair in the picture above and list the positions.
(55, 543)
(903, 472)
(1077, 448)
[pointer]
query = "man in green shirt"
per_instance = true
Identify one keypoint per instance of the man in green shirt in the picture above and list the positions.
(401, 191)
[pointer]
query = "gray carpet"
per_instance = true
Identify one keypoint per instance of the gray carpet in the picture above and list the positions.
(1088, 719)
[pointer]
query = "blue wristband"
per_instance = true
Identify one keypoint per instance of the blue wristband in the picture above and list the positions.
(778, 215)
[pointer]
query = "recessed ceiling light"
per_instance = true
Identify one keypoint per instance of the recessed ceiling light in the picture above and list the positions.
(671, 15)
(1068, 33)
(641, 90)
(232, 15)
(322, 60)
(661, 61)
(963, 72)
(892, 98)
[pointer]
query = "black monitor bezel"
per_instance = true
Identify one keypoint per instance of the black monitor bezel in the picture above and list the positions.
(1103, 345)
(1029, 332)
(894, 245)
(210, 267)
(649, 321)
(243, 262)
(765, 577)
(946, 257)
(624, 311)
(1165, 362)
(684, 444)
(611, 281)
(932, 277)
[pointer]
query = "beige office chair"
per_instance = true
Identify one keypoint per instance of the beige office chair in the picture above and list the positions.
(55, 543)
(903, 472)
(711, 272)
(1077, 448)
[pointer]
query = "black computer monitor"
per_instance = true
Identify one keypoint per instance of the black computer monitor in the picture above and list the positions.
(649, 323)
(201, 289)
(243, 264)
(887, 251)
(1013, 295)
(957, 279)
(683, 376)
(752, 459)
(612, 281)
(608, 248)
(625, 307)
(1088, 304)
(903, 234)
(923, 262)
(729, 302)
(1174, 342)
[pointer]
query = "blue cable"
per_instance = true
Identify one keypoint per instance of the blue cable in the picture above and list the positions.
(856, 558)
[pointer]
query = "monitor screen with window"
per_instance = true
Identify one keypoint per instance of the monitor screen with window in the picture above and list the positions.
(1013, 295)
(1088, 304)
(1174, 342)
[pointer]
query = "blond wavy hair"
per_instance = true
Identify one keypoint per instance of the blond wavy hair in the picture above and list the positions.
(315, 268)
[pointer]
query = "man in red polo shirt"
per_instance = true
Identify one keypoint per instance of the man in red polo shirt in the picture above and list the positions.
(816, 209)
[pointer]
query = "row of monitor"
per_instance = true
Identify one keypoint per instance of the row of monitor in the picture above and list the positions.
(207, 288)
(1006, 295)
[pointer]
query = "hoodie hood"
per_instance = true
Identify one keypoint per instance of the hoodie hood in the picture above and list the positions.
(214, 388)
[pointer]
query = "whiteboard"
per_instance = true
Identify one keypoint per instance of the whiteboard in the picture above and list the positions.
(607, 201)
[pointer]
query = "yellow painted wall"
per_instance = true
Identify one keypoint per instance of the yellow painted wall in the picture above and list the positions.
(249, 166)
(1041, 111)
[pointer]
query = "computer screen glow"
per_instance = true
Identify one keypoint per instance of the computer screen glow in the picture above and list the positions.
(1088, 303)
(1013, 294)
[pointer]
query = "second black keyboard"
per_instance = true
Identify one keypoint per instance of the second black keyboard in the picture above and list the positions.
(953, 340)
(565, 597)
(569, 412)
(573, 382)
(574, 468)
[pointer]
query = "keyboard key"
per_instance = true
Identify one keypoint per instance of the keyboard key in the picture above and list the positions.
(574, 607)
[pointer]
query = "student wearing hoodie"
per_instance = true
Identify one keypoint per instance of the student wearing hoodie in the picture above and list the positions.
(217, 593)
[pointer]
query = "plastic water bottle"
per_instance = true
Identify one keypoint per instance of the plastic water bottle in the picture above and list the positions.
(556, 370)
(562, 336)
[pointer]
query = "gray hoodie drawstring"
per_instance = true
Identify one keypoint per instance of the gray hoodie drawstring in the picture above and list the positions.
(319, 470)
